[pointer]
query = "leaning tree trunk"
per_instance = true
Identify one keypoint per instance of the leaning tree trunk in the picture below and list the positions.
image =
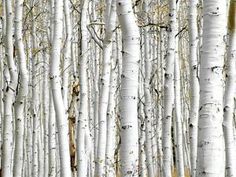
(210, 158)
(55, 80)
(129, 89)
(229, 95)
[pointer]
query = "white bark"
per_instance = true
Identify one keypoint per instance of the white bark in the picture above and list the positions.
(3, 24)
(141, 116)
(160, 78)
(96, 100)
(52, 119)
(229, 97)
(82, 126)
(178, 117)
(129, 89)
(210, 159)
(7, 146)
(110, 19)
(34, 97)
(147, 94)
(169, 91)
(52, 139)
(22, 92)
(46, 101)
(29, 141)
(67, 54)
(61, 119)
(194, 82)
(111, 118)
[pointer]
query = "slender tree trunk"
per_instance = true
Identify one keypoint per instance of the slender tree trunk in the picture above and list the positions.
(67, 54)
(82, 126)
(178, 116)
(22, 92)
(61, 119)
(52, 138)
(35, 96)
(169, 91)
(141, 112)
(111, 118)
(148, 99)
(229, 96)
(194, 82)
(52, 119)
(46, 101)
(110, 20)
(129, 89)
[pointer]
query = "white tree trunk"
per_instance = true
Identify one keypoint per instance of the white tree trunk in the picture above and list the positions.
(9, 96)
(229, 97)
(52, 119)
(82, 126)
(22, 92)
(194, 83)
(210, 159)
(169, 92)
(111, 118)
(61, 119)
(67, 54)
(129, 89)
(46, 101)
(52, 139)
(148, 99)
(178, 116)
(110, 20)
(35, 95)
(141, 116)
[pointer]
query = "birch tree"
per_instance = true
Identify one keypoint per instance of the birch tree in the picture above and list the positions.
(147, 93)
(178, 115)
(35, 94)
(9, 95)
(193, 60)
(67, 54)
(111, 117)
(210, 158)
(52, 119)
(169, 91)
(61, 120)
(129, 89)
(229, 94)
(22, 92)
(110, 21)
(82, 126)
(52, 139)
(45, 100)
